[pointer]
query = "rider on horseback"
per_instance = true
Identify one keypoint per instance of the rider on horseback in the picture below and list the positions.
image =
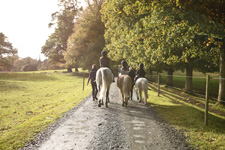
(140, 72)
(105, 61)
(125, 68)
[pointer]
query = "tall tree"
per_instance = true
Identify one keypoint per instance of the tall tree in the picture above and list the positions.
(87, 41)
(214, 10)
(161, 31)
(6, 50)
(55, 47)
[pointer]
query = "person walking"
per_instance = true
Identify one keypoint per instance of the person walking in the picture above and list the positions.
(92, 77)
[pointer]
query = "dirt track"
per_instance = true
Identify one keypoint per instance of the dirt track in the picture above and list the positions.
(115, 128)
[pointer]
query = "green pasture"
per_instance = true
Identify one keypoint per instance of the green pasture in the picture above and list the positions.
(199, 82)
(30, 102)
(189, 118)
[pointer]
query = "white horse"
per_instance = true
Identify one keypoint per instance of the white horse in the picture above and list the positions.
(142, 85)
(104, 78)
(124, 83)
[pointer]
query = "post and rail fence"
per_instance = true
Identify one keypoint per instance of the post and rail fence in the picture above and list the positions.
(207, 85)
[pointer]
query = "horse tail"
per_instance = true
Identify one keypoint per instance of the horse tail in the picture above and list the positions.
(104, 85)
(127, 86)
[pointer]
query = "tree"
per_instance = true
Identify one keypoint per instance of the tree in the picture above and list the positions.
(214, 10)
(6, 50)
(55, 47)
(87, 41)
(165, 32)
(18, 64)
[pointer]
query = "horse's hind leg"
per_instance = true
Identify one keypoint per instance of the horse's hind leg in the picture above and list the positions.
(106, 103)
(99, 103)
(146, 96)
(122, 97)
(107, 95)
(140, 95)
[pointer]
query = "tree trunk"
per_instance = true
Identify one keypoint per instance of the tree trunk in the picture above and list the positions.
(221, 93)
(189, 73)
(160, 78)
(69, 70)
(150, 75)
(76, 69)
(170, 77)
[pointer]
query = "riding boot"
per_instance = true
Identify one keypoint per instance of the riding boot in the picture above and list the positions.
(93, 95)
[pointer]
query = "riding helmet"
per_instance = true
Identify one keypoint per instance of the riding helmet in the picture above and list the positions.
(141, 65)
(104, 53)
(123, 63)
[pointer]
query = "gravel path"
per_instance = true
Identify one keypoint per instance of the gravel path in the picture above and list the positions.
(88, 127)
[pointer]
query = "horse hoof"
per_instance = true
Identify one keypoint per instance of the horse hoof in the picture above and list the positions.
(99, 105)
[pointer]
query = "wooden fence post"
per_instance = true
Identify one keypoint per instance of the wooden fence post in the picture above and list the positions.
(207, 100)
(158, 84)
(83, 81)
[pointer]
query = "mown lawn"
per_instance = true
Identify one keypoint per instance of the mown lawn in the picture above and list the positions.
(30, 102)
(189, 118)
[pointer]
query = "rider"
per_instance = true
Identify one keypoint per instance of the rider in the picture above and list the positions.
(105, 61)
(131, 73)
(140, 72)
(124, 69)
(92, 77)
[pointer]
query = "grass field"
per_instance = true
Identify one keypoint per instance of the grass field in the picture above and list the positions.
(189, 118)
(29, 102)
(199, 82)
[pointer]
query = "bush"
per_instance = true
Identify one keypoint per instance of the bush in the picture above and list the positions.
(29, 68)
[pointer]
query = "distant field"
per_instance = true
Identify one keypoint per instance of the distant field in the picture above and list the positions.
(199, 82)
(31, 101)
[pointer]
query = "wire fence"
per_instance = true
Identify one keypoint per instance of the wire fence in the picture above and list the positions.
(198, 84)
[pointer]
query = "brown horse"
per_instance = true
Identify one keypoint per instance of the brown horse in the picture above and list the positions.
(124, 83)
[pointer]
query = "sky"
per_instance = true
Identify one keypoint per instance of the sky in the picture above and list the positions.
(25, 23)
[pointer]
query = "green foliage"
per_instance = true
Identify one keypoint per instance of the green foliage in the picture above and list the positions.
(87, 41)
(56, 45)
(30, 102)
(29, 67)
(159, 32)
(6, 51)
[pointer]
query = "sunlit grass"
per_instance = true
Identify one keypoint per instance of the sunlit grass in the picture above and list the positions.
(199, 82)
(189, 119)
(29, 102)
